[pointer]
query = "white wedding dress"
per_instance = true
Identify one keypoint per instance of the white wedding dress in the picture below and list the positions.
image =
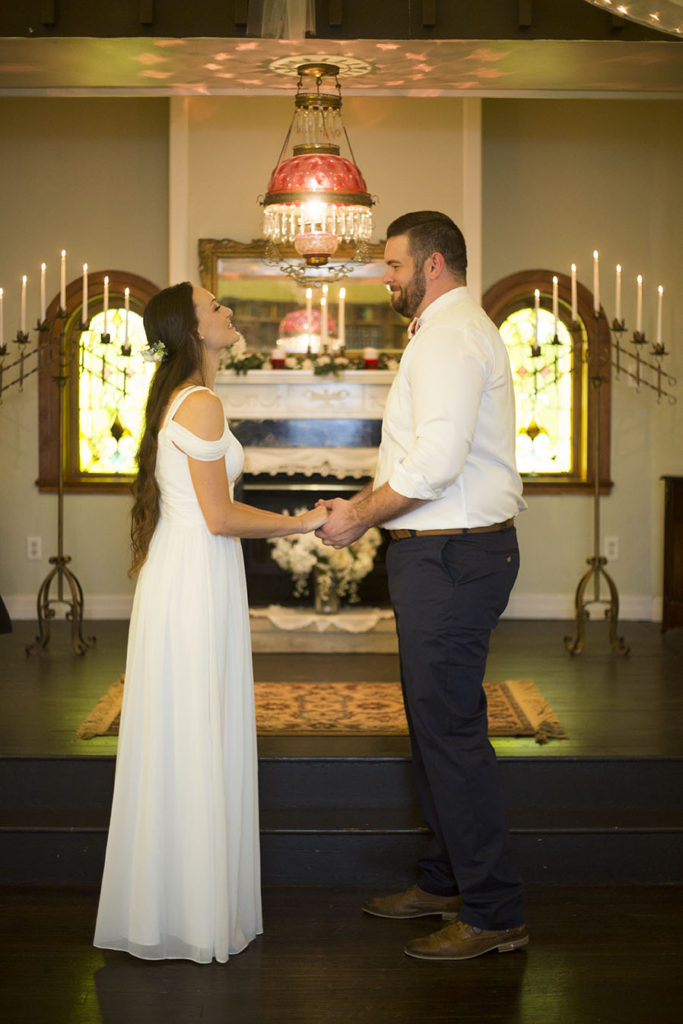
(182, 871)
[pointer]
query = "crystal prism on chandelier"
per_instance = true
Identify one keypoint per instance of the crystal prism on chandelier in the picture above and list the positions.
(317, 198)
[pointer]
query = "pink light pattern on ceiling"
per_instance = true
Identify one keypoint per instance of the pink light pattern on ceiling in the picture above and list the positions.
(440, 67)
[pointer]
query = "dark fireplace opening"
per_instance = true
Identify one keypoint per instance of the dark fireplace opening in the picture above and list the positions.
(267, 583)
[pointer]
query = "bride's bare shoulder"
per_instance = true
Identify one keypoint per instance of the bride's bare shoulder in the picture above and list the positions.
(202, 412)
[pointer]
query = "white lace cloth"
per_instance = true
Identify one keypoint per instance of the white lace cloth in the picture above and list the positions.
(351, 620)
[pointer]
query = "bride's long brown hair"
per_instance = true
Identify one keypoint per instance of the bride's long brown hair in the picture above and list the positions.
(169, 318)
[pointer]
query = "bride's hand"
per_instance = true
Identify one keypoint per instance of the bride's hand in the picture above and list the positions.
(313, 519)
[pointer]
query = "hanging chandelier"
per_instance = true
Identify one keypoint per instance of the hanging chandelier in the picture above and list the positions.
(316, 198)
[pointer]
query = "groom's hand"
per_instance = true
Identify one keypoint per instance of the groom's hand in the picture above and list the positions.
(342, 526)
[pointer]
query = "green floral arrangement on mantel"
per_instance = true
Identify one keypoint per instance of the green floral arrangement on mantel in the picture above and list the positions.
(239, 358)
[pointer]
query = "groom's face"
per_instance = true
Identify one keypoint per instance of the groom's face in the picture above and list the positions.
(407, 283)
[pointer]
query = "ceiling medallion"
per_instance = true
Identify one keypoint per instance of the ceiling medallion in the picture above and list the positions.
(317, 198)
(351, 67)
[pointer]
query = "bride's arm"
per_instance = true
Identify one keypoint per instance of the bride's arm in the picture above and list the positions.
(202, 414)
(233, 518)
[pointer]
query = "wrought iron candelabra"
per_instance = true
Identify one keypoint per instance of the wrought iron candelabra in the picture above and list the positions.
(21, 340)
(60, 576)
(639, 371)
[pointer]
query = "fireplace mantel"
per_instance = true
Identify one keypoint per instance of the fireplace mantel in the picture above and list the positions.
(300, 394)
(304, 436)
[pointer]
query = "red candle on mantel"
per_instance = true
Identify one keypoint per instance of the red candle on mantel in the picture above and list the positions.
(370, 358)
(277, 359)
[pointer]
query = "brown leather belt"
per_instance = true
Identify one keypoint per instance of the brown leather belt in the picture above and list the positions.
(493, 528)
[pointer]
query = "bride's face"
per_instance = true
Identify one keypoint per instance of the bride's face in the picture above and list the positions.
(214, 321)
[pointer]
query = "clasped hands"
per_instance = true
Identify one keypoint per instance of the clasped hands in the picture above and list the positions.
(343, 524)
(335, 521)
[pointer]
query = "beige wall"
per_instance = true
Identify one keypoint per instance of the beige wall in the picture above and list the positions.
(234, 143)
(559, 179)
(89, 176)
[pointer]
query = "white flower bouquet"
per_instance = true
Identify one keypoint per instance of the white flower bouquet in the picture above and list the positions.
(343, 569)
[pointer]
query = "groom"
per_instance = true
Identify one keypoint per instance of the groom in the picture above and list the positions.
(447, 490)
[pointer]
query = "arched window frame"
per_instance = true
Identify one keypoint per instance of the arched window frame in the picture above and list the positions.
(517, 292)
(51, 341)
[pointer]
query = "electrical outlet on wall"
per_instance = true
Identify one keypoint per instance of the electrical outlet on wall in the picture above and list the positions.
(34, 548)
(611, 548)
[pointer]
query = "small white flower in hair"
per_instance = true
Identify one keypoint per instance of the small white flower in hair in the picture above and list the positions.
(155, 352)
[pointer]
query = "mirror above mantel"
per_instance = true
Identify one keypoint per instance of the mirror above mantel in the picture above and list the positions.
(262, 295)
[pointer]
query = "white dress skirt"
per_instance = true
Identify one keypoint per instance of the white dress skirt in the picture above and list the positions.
(182, 870)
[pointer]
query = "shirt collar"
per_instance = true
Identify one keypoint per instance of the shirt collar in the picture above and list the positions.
(451, 297)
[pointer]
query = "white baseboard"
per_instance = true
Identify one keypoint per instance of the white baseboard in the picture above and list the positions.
(97, 606)
(632, 608)
(638, 608)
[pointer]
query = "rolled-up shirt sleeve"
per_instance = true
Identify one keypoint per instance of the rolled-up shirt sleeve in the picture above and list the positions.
(447, 378)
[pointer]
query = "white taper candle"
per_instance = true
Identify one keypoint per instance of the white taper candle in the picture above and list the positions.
(22, 310)
(43, 268)
(106, 304)
(639, 304)
(323, 323)
(84, 312)
(62, 281)
(309, 316)
(341, 331)
(537, 303)
(660, 293)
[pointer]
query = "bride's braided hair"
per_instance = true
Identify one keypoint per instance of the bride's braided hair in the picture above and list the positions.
(171, 326)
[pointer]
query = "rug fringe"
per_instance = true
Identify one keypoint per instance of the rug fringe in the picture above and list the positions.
(103, 714)
(550, 729)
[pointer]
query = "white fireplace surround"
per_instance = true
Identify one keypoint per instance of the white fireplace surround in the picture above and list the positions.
(300, 394)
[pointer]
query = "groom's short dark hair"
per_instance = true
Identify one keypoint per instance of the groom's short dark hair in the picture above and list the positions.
(427, 232)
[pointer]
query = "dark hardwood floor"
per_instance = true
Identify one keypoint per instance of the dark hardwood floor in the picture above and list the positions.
(597, 956)
(610, 705)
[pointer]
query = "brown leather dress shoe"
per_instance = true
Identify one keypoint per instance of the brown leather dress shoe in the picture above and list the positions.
(460, 941)
(414, 902)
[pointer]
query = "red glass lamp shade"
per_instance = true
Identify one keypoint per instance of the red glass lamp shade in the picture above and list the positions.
(316, 197)
(326, 176)
(296, 322)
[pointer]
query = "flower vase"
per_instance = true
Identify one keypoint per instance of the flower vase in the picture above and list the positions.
(326, 597)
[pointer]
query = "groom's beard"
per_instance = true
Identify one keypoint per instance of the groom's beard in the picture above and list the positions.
(406, 300)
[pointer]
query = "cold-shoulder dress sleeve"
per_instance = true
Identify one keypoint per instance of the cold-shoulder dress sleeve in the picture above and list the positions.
(197, 447)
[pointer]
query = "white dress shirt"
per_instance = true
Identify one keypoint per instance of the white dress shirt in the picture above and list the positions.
(448, 433)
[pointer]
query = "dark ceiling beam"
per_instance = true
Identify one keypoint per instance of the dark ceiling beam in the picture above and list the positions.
(335, 19)
(48, 12)
(147, 12)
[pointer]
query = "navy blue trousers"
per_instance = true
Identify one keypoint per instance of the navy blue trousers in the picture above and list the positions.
(448, 593)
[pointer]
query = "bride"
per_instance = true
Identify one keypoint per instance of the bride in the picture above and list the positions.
(182, 871)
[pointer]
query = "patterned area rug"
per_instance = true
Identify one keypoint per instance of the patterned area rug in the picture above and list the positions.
(516, 708)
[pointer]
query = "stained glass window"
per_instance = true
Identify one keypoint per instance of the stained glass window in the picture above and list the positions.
(544, 391)
(557, 406)
(113, 384)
